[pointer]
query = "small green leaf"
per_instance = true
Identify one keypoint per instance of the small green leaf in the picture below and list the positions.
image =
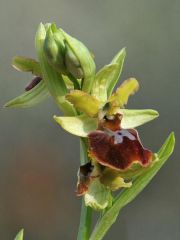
(133, 118)
(25, 64)
(127, 195)
(120, 97)
(98, 196)
(101, 81)
(30, 98)
(20, 235)
(118, 59)
(84, 102)
(79, 126)
(85, 59)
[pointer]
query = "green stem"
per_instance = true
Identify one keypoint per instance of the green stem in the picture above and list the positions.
(86, 212)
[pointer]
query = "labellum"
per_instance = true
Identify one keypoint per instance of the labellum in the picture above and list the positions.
(84, 178)
(117, 148)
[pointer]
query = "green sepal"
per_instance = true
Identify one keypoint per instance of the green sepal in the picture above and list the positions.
(20, 235)
(133, 118)
(25, 64)
(98, 196)
(84, 58)
(84, 102)
(82, 125)
(52, 78)
(30, 98)
(101, 81)
(120, 97)
(79, 125)
(119, 60)
(127, 195)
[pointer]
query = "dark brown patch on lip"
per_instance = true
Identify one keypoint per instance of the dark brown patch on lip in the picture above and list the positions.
(81, 189)
(84, 178)
(33, 83)
(117, 149)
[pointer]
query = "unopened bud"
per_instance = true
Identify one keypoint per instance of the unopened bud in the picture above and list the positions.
(54, 49)
(72, 63)
(33, 83)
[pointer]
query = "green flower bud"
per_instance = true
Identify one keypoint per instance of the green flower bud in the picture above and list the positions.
(79, 61)
(69, 57)
(72, 63)
(54, 49)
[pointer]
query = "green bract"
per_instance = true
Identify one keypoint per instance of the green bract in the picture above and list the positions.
(102, 80)
(30, 98)
(114, 78)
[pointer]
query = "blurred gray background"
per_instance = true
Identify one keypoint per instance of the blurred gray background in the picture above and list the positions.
(39, 161)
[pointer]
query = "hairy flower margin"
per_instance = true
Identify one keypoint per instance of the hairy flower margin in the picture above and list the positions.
(113, 155)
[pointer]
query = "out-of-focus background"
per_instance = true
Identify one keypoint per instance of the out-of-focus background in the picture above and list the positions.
(39, 161)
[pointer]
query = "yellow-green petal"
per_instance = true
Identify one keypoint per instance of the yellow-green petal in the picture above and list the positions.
(84, 102)
(120, 97)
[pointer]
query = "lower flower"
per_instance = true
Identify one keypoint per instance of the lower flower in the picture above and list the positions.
(116, 156)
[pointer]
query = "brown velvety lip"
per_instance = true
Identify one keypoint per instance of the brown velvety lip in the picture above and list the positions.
(118, 149)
